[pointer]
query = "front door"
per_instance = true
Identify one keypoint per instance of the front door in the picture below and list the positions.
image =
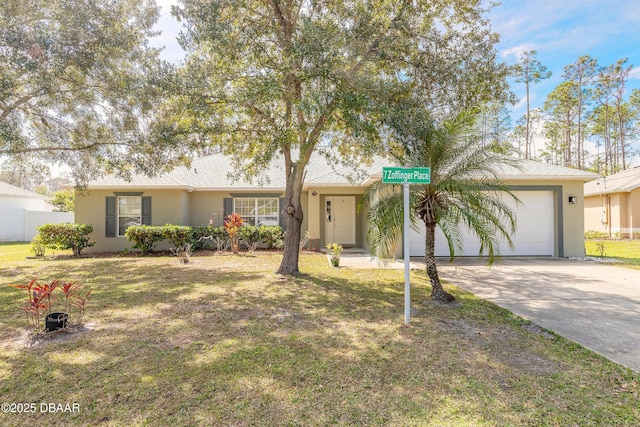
(340, 220)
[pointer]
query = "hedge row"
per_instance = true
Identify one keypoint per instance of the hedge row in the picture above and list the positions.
(145, 237)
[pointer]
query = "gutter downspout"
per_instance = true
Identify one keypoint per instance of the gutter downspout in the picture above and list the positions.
(606, 201)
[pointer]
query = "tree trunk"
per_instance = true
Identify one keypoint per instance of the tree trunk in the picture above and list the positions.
(293, 217)
(437, 292)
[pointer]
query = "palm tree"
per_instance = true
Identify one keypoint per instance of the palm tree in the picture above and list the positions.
(464, 190)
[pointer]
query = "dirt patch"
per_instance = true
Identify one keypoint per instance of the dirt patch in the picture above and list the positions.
(29, 339)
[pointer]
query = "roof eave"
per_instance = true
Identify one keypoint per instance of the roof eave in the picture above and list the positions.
(608, 191)
(133, 186)
(582, 178)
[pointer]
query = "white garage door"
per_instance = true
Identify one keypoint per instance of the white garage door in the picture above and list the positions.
(534, 234)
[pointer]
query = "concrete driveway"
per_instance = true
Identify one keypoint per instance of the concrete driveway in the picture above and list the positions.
(595, 305)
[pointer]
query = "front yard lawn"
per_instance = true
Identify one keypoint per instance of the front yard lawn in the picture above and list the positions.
(224, 341)
(626, 250)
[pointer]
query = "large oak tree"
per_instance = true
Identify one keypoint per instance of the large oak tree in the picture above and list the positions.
(280, 79)
(74, 82)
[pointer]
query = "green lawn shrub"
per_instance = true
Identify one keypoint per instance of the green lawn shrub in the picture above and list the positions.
(178, 235)
(66, 236)
(592, 234)
(272, 235)
(144, 237)
(252, 236)
(200, 237)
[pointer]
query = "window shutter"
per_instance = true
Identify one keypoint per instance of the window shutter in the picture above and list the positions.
(228, 206)
(146, 211)
(281, 213)
(110, 225)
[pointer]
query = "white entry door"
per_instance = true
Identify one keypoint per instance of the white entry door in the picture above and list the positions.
(340, 220)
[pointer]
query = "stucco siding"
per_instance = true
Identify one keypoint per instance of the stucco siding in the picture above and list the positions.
(207, 206)
(616, 213)
(167, 207)
(595, 214)
(573, 218)
(634, 210)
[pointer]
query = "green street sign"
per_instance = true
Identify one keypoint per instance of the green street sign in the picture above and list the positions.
(394, 175)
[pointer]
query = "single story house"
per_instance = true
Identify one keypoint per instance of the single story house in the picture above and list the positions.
(612, 204)
(550, 219)
(23, 211)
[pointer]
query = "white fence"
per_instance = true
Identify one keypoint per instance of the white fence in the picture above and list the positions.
(19, 225)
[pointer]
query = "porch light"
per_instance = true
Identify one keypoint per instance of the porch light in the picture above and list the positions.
(573, 200)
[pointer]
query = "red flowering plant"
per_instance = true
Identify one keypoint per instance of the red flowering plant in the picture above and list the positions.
(69, 290)
(232, 224)
(80, 302)
(41, 299)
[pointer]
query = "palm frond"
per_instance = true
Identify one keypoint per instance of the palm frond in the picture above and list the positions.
(385, 218)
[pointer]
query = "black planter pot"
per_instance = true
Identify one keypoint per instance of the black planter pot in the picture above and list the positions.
(55, 321)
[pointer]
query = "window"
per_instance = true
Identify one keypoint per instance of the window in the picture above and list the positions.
(129, 212)
(257, 211)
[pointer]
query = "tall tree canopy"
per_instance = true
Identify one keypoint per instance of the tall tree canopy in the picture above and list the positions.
(529, 70)
(72, 81)
(281, 78)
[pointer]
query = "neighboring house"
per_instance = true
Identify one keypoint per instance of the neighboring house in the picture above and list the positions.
(22, 211)
(612, 204)
(203, 194)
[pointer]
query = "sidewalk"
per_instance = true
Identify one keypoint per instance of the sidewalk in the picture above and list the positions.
(364, 260)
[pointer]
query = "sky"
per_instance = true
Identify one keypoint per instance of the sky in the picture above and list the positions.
(563, 30)
(559, 30)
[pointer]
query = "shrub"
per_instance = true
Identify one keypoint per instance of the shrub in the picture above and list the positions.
(178, 235)
(592, 234)
(144, 237)
(66, 236)
(272, 235)
(221, 239)
(252, 235)
(37, 246)
(201, 237)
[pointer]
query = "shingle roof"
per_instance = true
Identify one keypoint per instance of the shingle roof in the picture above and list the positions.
(621, 182)
(7, 189)
(215, 172)
(531, 169)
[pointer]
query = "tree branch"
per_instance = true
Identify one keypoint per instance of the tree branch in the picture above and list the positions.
(56, 148)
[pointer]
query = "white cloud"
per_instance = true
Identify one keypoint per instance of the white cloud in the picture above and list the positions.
(634, 74)
(516, 51)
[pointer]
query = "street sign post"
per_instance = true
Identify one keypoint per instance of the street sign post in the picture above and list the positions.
(393, 175)
(406, 177)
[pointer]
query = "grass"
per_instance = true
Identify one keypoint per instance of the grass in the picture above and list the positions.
(224, 341)
(627, 251)
(14, 252)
